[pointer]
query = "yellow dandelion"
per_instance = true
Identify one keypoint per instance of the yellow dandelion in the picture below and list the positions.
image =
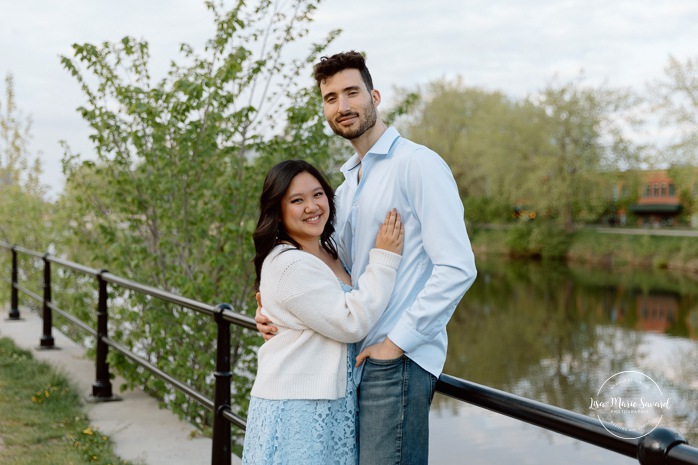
(88, 431)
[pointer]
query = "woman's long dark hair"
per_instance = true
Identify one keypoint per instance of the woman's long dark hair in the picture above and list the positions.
(270, 230)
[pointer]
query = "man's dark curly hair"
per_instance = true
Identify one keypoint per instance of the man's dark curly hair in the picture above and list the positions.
(329, 66)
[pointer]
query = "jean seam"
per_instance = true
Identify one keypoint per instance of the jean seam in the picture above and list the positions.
(434, 380)
(403, 405)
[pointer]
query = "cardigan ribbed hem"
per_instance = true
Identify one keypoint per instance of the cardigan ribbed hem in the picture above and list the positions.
(300, 386)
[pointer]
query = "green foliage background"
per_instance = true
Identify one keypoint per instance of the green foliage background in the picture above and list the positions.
(24, 213)
(171, 200)
(547, 152)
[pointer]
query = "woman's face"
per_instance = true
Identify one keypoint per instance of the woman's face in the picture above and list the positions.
(305, 209)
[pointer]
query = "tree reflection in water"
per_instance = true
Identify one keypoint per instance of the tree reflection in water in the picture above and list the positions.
(555, 333)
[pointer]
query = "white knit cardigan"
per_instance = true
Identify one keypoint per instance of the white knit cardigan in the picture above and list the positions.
(302, 296)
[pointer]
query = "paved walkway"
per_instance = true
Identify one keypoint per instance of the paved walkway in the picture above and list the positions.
(140, 430)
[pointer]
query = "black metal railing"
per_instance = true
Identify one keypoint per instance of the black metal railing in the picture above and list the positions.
(222, 314)
(662, 446)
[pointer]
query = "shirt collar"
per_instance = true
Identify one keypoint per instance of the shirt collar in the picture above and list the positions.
(381, 147)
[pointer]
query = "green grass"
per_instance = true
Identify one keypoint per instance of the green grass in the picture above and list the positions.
(587, 246)
(678, 253)
(41, 416)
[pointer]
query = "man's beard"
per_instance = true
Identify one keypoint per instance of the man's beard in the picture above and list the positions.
(366, 123)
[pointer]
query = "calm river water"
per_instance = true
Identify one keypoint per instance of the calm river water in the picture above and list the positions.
(556, 333)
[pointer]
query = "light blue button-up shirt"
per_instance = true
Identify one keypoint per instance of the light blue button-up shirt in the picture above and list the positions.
(438, 265)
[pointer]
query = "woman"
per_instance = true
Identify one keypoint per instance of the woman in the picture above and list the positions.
(303, 405)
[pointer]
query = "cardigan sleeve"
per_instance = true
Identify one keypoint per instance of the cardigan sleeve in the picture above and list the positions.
(311, 292)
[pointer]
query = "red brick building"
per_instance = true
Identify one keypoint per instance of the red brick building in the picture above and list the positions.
(658, 203)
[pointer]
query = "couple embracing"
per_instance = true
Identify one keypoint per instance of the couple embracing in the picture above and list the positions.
(357, 288)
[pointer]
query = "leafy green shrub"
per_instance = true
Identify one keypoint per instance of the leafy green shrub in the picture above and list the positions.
(550, 240)
(519, 240)
(540, 239)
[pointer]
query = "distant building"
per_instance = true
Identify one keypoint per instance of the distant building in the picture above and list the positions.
(658, 203)
(656, 312)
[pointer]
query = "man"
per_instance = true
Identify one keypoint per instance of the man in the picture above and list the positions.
(403, 355)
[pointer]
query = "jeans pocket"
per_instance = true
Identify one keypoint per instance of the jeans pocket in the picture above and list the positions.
(434, 380)
(388, 362)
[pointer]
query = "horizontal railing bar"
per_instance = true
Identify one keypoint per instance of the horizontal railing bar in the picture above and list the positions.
(31, 294)
(239, 319)
(51, 258)
(185, 388)
(71, 318)
(160, 294)
(537, 413)
(234, 419)
(73, 266)
(230, 316)
(682, 454)
(29, 252)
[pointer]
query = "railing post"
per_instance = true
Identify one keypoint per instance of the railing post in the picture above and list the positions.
(654, 447)
(14, 300)
(101, 388)
(221, 453)
(47, 317)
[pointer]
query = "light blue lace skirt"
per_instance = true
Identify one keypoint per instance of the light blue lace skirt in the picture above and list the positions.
(303, 432)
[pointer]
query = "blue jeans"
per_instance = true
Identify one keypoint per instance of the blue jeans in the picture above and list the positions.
(394, 400)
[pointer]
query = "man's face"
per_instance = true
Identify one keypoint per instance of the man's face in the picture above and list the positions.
(350, 109)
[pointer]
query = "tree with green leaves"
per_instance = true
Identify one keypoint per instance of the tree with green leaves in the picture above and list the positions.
(544, 153)
(171, 198)
(584, 129)
(486, 138)
(676, 99)
(24, 210)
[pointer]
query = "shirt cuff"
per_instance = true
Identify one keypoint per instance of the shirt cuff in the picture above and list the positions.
(405, 337)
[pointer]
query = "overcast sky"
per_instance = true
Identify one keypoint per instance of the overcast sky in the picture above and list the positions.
(515, 46)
